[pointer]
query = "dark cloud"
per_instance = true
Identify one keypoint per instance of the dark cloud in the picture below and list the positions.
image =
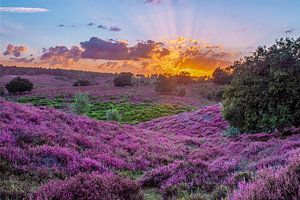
(61, 25)
(204, 59)
(12, 50)
(61, 55)
(102, 27)
(115, 29)
(90, 24)
(97, 48)
(290, 31)
(23, 60)
(147, 49)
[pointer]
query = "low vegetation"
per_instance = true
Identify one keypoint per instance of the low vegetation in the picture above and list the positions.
(19, 85)
(264, 94)
(123, 79)
(81, 83)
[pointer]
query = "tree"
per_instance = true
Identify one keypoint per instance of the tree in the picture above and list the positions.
(184, 78)
(164, 84)
(123, 79)
(19, 85)
(265, 91)
(221, 76)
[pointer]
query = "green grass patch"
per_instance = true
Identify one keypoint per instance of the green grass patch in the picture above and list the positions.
(134, 113)
(135, 174)
(123, 112)
(57, 102)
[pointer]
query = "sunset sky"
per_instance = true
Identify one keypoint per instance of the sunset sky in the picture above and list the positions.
(141, 36)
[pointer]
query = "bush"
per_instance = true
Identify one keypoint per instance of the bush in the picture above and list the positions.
(273, 185)
(2, 91)
(123, 79)
(265, 91)
(221, 76)
(81, 83)
(164, 84)
(81, 103)
(19, 85)
(91, 187)
(112, 115)
(232, 132)
(181, 92)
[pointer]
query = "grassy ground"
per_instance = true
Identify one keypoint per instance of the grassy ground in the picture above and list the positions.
(128, 113)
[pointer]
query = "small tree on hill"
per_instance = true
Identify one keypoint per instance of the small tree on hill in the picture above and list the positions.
(265, 91)
(123, 79)
(19, 85)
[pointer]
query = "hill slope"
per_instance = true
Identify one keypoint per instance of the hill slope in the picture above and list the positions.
(182, 152)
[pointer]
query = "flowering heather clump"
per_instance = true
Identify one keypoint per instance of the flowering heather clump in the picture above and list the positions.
(48, 149)
(90, 187)
(279, 184)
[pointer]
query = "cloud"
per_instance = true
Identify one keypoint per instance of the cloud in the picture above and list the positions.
(102, 27)
(97, 48)
(64, 25)
(12, 50)
(22, 60)
(152, 1)
(61, 55)
(147, 50)
(241, 30)
(115, 29)
(90, 24)
(290, 31)
(23, 10)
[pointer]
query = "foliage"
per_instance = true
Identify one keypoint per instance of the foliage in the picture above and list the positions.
(2, 91)
(183, 78)
(112, 115)
(209, 91)
(57, 102)
(81, 83)
(91, 187)
(184, 155)
(81, 103)
(274, 185)
(19, 85)
(221, 76)
(131, 113)
(265, 91)
(232, 132)
(123, 79)
(164, 84)
(181, 92)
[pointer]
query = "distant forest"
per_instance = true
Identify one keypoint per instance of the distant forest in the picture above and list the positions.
(69, 73)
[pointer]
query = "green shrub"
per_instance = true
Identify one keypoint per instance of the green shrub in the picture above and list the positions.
(81, 103)
(112, 115)
(19, 85)
(221, 76)
(219, 193)
(232, 132)
(265, 91)
(123, 79)
(81, 83)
